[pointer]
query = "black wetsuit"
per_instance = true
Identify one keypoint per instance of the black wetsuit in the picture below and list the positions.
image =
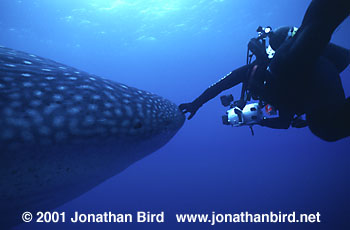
(303, 76)
(335, 57)
(308, 68)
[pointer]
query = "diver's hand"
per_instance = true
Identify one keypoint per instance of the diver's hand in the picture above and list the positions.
(189, 108)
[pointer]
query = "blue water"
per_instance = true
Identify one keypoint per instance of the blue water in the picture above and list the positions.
(177, 49)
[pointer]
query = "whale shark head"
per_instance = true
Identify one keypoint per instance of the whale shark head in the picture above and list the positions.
(64, 131)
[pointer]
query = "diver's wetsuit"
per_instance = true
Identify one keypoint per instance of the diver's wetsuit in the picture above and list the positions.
(337, 55)
(304, 75)
(304, 71)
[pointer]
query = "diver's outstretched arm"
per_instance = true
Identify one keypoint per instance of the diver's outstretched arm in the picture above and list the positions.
(232, 79)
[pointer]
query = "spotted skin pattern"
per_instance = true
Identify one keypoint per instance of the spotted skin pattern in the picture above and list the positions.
(64, 131)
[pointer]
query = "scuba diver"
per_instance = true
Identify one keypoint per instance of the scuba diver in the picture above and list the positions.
(301, 78)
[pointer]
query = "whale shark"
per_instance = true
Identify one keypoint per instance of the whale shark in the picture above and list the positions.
(64, 131)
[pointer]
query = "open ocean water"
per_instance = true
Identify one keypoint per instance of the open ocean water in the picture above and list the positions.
(176, 49)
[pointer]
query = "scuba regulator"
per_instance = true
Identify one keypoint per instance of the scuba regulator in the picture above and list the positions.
(263, 33)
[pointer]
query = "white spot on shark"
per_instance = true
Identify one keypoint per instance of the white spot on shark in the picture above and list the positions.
(37, 118)
(107, 113)
(118, 112)
(126, 101)
(49, 109)
(10, 65)
(27, 62)
(139, 106)
(74, 110)
(43, 84)
(110, 96)
(26, 74)
(108, 105)
(46, 70)
(85, 87)
(96, 97)
(38, 93)
(35, 103)
(78, 97)
(140, 110)
(57, 97)
(50, 78)
(92, 107)
(58, 121)
(61, 87)
(128, 111)
(27, 84)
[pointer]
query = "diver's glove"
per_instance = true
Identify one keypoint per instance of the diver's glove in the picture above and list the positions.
(258, 50)
(189, 108)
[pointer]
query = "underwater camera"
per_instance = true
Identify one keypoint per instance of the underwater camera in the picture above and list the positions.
(250, 115)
